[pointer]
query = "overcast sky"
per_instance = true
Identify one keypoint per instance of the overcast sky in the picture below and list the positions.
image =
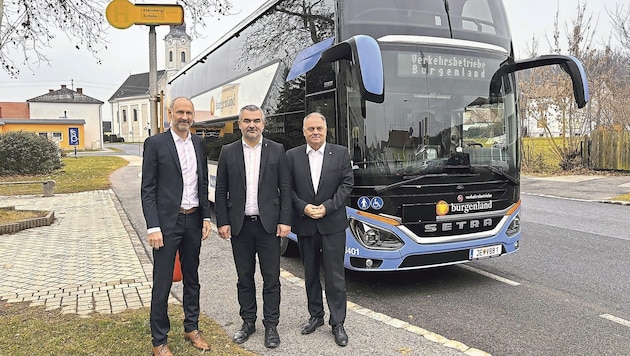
(127, 52)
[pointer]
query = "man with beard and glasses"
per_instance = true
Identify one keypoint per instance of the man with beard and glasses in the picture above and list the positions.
(177, 212)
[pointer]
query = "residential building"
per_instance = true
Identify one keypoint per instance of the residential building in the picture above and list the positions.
(70, 118)
(68, 104)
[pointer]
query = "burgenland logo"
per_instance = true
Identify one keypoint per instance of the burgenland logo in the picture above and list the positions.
(473, 206)
(442, 207)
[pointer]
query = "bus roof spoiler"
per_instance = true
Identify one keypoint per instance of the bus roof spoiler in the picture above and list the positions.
(569, 64)
(363, 51)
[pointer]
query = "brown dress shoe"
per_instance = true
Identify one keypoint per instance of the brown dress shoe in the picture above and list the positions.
(162, 350)
(196, 339)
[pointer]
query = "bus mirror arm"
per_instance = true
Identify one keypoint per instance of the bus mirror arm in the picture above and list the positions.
(569, 64)
(365, 53)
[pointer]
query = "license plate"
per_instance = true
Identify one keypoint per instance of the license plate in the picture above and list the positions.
(488, 251)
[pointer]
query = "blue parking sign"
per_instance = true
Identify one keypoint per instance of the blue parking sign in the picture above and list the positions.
(73, 133)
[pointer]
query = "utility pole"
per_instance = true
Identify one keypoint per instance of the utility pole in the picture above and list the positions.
(153, 130)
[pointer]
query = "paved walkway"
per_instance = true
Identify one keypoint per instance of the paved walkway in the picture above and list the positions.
(82, 263)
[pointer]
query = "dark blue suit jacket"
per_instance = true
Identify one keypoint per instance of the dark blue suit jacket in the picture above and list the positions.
(274, 187)
(335, 184)
(162, 182)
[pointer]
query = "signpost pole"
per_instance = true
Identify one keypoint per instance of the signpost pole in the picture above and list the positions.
(122, 14)
(153, 81)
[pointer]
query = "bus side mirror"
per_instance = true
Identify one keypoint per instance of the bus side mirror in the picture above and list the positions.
(569, 64)
(365, 54)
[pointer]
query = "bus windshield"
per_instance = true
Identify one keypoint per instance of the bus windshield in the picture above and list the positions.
(437, 115)
(474, 20)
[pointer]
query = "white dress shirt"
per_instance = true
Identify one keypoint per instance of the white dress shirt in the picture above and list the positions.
(252, 171)
(188, 164)
(315, 161)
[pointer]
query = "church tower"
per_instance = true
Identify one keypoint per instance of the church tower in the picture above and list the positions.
(177, 49)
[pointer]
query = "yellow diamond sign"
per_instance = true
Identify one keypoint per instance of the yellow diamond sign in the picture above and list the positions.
(122, 14)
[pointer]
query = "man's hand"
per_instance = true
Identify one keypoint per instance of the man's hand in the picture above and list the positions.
(206, 230)
(156, 240)
(225, 232)
(283, 230)
(315, 212)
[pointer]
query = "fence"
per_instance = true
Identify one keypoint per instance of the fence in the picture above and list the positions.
(607, 150)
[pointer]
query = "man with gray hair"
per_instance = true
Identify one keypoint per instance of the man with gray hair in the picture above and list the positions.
(322, 181)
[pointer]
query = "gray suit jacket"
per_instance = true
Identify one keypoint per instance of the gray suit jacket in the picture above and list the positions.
(162, 182)
(335, 184)
(274, 187)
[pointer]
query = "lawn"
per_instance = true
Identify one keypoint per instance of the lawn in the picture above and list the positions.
(35, 331)
(79, 174)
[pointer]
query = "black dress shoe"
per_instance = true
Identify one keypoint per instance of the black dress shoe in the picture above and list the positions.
(341, 338)
(312, 324)
(246, 330)
(272, 339)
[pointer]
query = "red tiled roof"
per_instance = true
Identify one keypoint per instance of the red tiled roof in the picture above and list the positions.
(9, 110)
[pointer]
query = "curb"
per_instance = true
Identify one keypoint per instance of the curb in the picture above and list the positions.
(27, 223)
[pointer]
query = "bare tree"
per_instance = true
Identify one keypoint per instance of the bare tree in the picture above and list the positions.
(27, 27)
(547, 93)
(620, 19)
(287, 28)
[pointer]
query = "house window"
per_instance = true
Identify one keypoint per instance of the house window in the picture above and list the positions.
(57, 136)
(170, 56)
(124, 115)
(43, 134)
(183, 57)
(135, 114)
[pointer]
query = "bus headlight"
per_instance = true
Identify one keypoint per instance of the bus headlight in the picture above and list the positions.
(373, 237)
(515, 226)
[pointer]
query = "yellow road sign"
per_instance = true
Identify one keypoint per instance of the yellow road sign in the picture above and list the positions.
(122, 14)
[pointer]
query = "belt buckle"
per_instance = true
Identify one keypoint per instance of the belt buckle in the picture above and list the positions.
(253, 218)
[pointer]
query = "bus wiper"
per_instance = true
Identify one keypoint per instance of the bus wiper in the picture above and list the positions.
(385, 188)
(501, 173)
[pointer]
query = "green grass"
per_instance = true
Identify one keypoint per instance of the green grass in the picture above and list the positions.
(538, 157)
(29, 331)
(79, 174)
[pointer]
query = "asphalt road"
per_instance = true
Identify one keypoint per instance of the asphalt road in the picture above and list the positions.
(566, 291)
(569, 278)
(368, 335)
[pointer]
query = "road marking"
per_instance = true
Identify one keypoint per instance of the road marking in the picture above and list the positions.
(615, 319)
(393, 322)
(490, 275)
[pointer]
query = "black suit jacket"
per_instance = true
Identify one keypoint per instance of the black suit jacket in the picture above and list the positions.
(274, 187)
(162, 182)
(335, 184)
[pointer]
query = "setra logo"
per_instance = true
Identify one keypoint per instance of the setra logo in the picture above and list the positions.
(441, 208)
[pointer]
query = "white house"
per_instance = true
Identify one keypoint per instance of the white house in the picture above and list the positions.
(66, 103)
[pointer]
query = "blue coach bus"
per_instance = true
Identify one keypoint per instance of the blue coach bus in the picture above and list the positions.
(422, 93)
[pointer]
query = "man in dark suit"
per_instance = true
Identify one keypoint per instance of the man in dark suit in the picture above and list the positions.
(322, 180)
(253, 207)
(177, 212)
